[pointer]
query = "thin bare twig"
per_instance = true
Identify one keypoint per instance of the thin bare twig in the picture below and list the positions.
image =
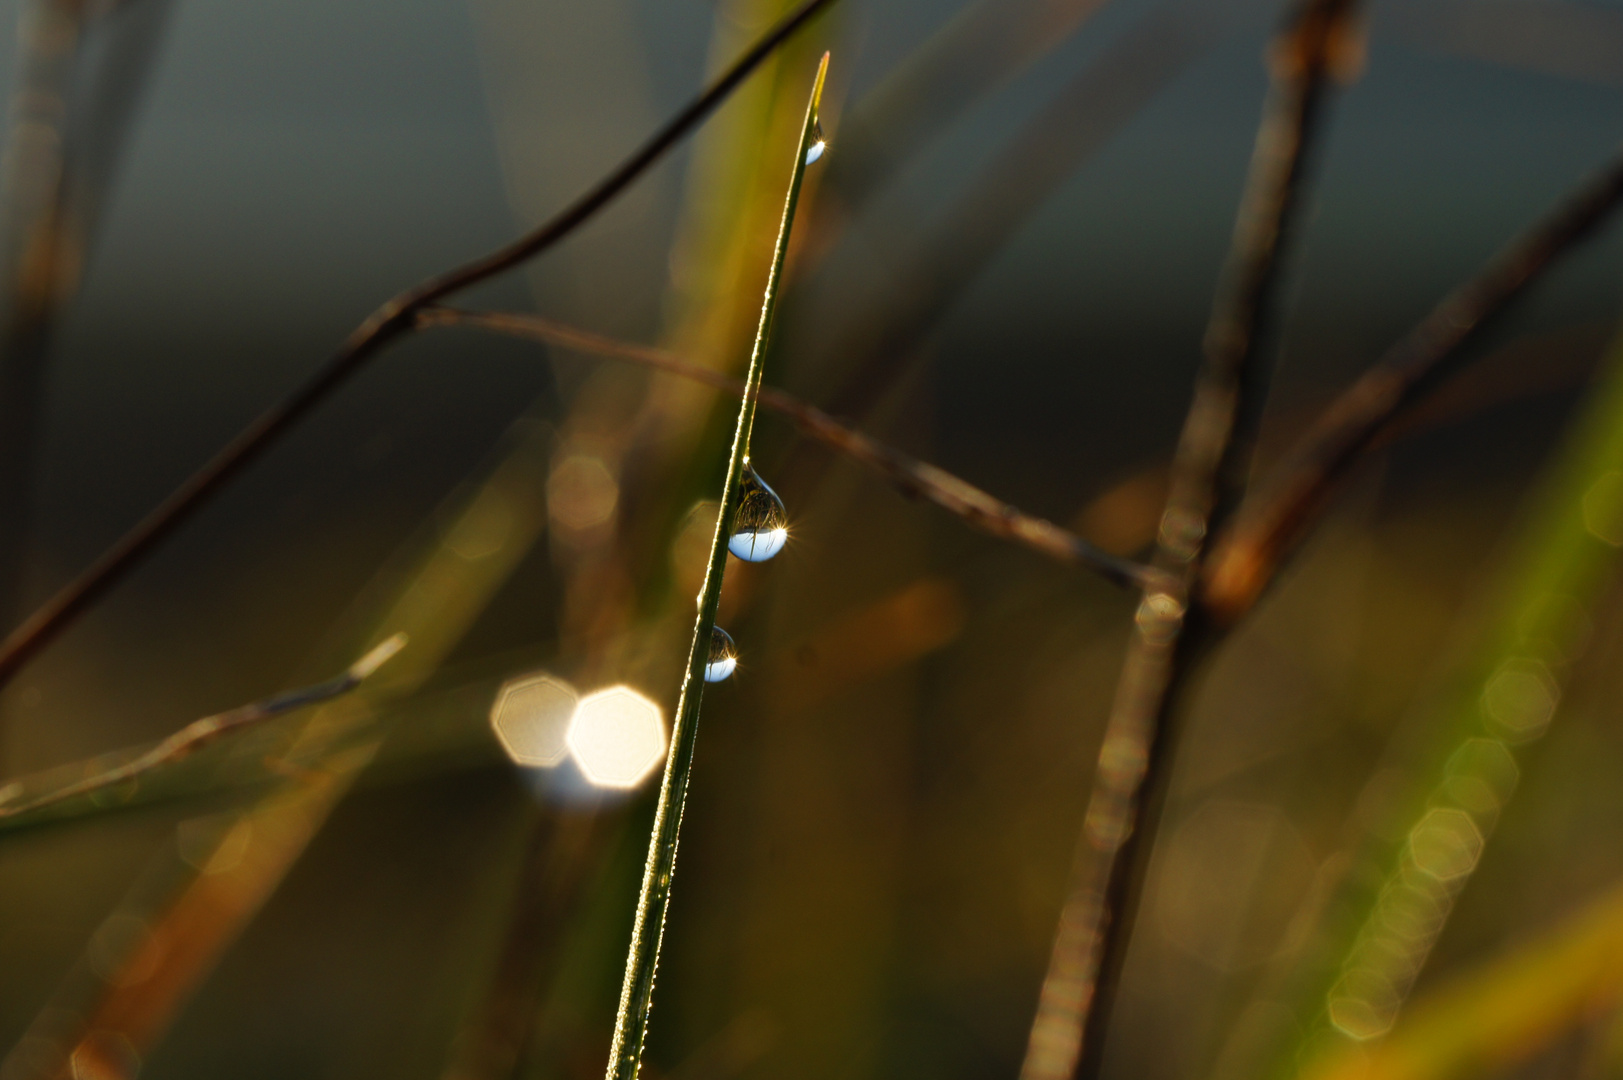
(394, 319)
(1129, 785)
(200, 733)
(1272, 521)
(908, 474)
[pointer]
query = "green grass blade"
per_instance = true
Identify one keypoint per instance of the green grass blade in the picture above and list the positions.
(1400, 894)
(1499, 1014)
(636, 994)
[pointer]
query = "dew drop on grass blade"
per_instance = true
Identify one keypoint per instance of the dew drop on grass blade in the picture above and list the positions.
(642, 960)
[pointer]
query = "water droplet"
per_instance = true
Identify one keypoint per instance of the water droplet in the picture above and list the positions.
(723, 656)
(761, 527)
(819, 144)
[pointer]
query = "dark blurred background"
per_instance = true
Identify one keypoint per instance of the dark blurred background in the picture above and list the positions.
(887, 793)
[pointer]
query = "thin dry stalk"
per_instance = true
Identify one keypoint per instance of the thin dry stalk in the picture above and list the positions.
(1273, 521)
(908, 474)
(1090, 945)
(395, 319)
(200, 733)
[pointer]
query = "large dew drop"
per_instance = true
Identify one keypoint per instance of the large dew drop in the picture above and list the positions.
(723, 656)
(761, 527)
(818, 145)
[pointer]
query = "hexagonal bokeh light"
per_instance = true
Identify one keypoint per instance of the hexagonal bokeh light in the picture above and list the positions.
(617, 737)
(531, 717)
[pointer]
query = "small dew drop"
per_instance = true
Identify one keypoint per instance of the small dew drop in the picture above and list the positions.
(819, 145)
(723, 656)
(761, 527)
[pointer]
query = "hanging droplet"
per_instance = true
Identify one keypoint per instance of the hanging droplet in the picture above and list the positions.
(818, 144)
(761, 527)
(723, 656)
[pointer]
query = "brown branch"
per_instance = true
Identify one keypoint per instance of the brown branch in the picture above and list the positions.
(200, 733)
(1130, 781)
(1273, 521)
(908, 474)
(393, 320)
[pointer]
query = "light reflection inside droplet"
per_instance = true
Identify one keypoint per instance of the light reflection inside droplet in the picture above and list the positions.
(761, 526)
(758, 546)
(723, 658)
(819, 142)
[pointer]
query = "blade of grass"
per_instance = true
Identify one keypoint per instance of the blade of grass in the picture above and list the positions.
(1129, 787)
(620, 612)
(392, 320)
(642, 960)
(1383, 925)
(1488, 1020)
(720, 254)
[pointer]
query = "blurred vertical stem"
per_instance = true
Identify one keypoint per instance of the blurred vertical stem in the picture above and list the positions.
(1401, 893)
(1171, 632)
(642, 961)
(81, 70)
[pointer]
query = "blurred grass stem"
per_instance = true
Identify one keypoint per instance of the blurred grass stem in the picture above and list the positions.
(81, 72)
(1534, 637)
(1498, 1015)
(642, 960)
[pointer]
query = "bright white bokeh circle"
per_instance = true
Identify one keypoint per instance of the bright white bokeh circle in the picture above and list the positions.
(617, 737)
